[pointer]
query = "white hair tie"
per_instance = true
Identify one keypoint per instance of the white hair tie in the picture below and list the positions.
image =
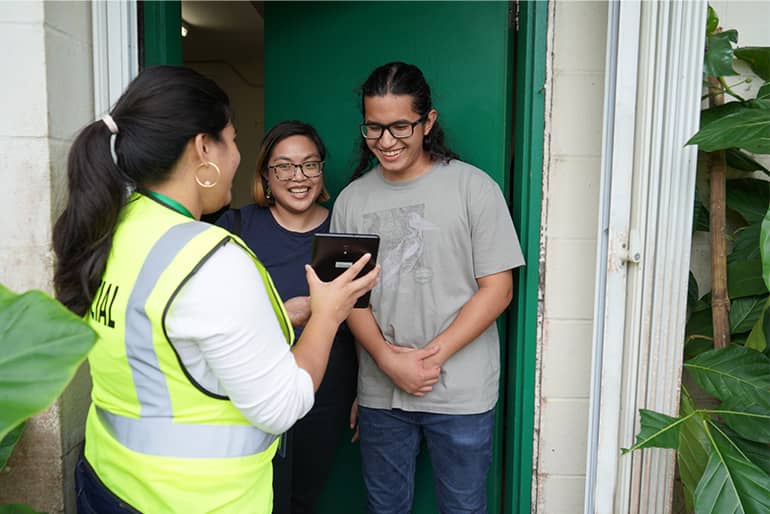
(107, 119)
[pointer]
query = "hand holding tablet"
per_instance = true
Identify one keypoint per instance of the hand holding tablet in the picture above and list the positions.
(334, 253)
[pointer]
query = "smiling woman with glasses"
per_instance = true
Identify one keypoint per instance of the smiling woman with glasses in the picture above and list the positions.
(279, 227)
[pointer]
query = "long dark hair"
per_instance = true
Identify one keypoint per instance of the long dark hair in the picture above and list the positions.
(160, 111)
(398, 78)
(275, 135)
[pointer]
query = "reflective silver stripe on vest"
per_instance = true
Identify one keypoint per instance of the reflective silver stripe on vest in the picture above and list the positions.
(162, 437)
(154, 432)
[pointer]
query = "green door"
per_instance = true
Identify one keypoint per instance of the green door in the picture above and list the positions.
(317, 54)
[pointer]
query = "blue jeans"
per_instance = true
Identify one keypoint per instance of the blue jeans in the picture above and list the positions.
(460, 450)
(93, 497)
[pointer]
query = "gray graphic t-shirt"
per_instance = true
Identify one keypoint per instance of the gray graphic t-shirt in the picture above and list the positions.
(438, 234)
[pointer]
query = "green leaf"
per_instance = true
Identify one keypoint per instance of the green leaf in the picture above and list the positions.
(758, 453)
(712, 22)
(731, 483)
(18, 508)
(41, 346)
(692, 290)
(657, 431)
(756, 340)
(749, 197)
(746, 245)
(700, 323)
(750, 419)
(695, 345)
(694, 449)
(764, 248)
(740, 160)
(719, 54)
(716, 112)
(732, 371)
(758, 58)
(746, 128)
(744, 313)
(743, 278)
(764, 91)
(8, 442)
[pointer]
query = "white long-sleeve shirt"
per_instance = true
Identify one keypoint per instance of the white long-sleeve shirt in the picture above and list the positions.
(226, 334)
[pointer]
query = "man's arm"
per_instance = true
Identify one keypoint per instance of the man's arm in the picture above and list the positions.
(479, 312)
(407, 369)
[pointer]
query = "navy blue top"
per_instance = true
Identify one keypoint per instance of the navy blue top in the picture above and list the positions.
(284, 253)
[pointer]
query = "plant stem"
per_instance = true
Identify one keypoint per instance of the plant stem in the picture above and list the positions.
(720, 301)
(729, 91)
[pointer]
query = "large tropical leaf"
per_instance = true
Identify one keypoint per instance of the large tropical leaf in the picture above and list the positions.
(746, 245)
(712, 21)
(764, 92)
(719, 54)
(732, 371)
(716, 112)
(747, 128)
(758, 453)
(745, 312)
(750, 419)
(692, 290)
(743, 278)
(748, 197)
(764, 247)
(656, 431)
(8, 442)
(758, 337)
(700, 323)
(41, 346)
(740, 160)
(731, 483)
(694, 448)
(758, 58)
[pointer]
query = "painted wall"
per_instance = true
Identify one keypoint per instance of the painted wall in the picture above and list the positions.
(37, 126)
(577, 41)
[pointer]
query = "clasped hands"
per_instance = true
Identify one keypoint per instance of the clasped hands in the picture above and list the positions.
(412, 370)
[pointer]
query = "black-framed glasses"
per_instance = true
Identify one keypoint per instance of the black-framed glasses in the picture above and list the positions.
(285, 171)
(398, 129)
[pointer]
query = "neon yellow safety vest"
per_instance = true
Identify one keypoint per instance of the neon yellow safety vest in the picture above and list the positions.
(155, 438)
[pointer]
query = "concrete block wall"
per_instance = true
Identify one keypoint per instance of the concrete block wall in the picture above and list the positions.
(577, 41)
(47, 96)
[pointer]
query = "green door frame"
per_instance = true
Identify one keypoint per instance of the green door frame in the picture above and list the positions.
(162, 44)
(529, 134)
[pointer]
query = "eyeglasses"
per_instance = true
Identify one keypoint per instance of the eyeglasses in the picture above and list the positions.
(398, 129)
(285, 171)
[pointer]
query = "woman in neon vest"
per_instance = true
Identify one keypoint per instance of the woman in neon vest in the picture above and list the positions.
(193, 375)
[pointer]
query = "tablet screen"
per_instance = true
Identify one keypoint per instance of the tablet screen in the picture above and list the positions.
(334, 253)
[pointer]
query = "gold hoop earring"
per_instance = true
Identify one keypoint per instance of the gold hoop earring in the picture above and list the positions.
(207, 183)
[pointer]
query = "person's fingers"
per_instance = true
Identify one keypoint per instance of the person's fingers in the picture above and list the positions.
(311, 276)
(355, 268)
(428, 351)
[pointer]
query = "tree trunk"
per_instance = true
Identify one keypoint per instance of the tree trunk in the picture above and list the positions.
(720, 301)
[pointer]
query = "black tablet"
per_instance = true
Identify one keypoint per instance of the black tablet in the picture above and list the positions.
(334, 253)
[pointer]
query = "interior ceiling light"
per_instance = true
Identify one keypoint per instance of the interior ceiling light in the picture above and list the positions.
(185, 29)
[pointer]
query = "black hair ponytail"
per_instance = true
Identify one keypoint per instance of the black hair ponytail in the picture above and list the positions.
(160, 111)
